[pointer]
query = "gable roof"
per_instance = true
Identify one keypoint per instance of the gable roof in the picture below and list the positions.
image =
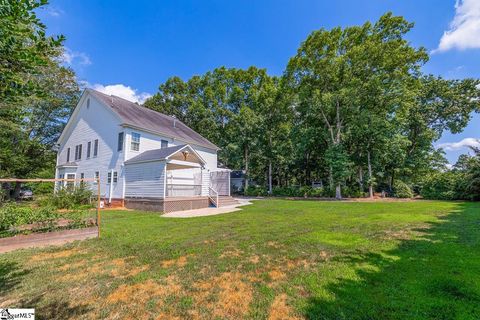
(161, 154)
(140, 117)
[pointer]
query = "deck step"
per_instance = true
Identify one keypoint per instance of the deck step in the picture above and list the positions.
(227, 201)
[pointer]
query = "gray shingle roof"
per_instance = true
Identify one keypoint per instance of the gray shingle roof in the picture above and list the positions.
(156, 154)
(135, 115)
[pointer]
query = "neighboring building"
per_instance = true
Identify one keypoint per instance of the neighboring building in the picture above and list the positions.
(144, 159)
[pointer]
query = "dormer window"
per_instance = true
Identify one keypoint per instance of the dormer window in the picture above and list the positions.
(164, 144)
(135, 144)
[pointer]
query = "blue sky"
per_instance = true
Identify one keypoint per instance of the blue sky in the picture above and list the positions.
(128, 48)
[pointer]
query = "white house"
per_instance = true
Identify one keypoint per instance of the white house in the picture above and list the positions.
(144, 159)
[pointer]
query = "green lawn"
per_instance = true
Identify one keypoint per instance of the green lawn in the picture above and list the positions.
(276, 259)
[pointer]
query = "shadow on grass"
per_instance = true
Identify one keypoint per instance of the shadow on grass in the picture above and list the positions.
(435, 276)
(55, 309)
(10, 275)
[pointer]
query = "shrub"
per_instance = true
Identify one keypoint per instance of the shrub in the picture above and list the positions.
(67, 198)
(254, 191)
(402, 190)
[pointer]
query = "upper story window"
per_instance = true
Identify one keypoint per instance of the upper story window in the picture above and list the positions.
(164, 144)
(89, 149)
(68, 155)
(78, 152)
(135, 145)
(120, 141)
(115, 176)
(95, 147)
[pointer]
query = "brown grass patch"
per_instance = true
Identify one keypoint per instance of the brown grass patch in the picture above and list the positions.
(276, 275)
(140, 293)
(235, 253)
(180, 262)
(254, 259)
(55, 255)
(279, 310)
(234, 295)
(274, 244)
(118, 268)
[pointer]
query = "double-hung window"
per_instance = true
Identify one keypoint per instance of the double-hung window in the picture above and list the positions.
(135, 144)
(89, 149)
(95, 147)
(97, 175)
(120, 141)
(109, 177)
(78, 152)
(115, 177)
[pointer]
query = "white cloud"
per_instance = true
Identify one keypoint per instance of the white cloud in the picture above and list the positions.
(465, 143)
(71, 57)
(122, 91)
(464, 30)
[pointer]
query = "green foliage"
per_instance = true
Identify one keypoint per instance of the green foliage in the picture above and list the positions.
(402, 190)
(70, 198)
(256, 191)
(13, 215)
(442, 186)
(37, 94)
(460, 183)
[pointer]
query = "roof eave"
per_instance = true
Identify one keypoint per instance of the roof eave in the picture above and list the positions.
(125, 124)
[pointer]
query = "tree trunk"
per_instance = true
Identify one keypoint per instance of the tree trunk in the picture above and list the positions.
(360, 178)
(245, 159)
(370, 185)
(269, 176)
(330, 178)
(338, 192)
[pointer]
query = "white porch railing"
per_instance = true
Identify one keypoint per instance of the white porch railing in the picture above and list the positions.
(184, 190)
(213, 195)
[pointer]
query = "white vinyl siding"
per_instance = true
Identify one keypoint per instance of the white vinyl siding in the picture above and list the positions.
(98, 126)
(145, 179)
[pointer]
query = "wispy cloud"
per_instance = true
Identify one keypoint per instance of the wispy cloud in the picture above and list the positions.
(463, 144)
(72, 57)
(122, 91)
(464, 30)
(54, 11)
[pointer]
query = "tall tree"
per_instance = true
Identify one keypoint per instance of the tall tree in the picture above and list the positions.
(334, 70)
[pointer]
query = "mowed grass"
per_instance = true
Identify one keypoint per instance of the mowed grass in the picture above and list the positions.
(276, 259)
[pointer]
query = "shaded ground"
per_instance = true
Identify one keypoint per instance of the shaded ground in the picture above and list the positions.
(276, 259)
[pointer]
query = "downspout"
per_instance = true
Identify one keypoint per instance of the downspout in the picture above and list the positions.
(111, 187)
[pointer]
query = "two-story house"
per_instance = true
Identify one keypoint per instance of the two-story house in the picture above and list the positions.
(144, 159)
